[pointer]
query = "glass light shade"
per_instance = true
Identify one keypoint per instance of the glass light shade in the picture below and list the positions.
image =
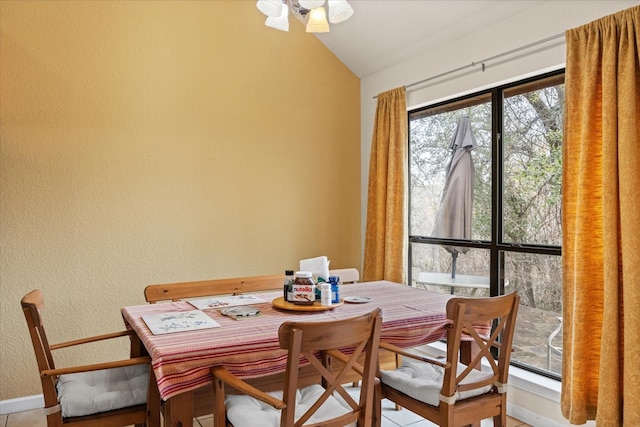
(279, 22)
(311, 4)
(317, 21)
(339, 10)
(270, 7)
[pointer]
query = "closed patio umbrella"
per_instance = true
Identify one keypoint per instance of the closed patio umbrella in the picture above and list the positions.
(453, 219)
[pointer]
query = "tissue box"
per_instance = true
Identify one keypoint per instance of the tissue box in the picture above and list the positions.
(318, 266)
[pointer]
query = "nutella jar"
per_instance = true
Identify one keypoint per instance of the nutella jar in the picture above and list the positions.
(303, 289)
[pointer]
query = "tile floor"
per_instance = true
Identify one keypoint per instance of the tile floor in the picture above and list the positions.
(391, 418)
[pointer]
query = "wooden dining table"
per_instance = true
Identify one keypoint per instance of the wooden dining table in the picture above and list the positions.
(249, 347)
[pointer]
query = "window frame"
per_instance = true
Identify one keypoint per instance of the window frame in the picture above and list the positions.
(497, 246)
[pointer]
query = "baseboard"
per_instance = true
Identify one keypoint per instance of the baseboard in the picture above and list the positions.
(21, 404)
(536, 384)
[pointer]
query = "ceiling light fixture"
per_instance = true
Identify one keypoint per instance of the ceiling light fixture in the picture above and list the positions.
(312, 11)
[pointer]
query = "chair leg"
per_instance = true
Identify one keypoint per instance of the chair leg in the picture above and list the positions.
(219, 412)
(377, 405)
(54, 420)
(500, 420)
(398, 363)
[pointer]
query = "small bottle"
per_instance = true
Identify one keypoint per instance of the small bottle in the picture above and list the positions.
(288, 283)
(325, 294)
(335, 289)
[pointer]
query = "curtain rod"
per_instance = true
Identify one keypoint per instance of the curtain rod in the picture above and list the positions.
(482, 61)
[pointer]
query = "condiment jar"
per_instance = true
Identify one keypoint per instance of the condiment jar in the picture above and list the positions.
(303, 289)
(335, 289)
(288, 284)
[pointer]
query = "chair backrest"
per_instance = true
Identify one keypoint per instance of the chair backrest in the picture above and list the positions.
(320, 343)
(346, 275)
(203, 288)
(469, 315)
(33, 306)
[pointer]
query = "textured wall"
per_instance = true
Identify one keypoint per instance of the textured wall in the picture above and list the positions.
(151, 142)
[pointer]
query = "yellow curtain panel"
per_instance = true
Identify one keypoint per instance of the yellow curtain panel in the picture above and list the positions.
(601, 222)
(385, 247)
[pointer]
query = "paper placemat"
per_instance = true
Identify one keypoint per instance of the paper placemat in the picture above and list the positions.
(178, 321)
(225, 301)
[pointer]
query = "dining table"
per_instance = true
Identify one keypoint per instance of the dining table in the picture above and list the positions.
(248, 346)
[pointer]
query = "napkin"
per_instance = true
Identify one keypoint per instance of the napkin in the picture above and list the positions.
(318, 266)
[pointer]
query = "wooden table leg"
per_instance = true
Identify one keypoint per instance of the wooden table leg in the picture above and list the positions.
(154, 403)
(178, 410)
(468, 350)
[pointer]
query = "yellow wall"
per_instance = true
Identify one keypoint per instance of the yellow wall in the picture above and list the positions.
(150, 142)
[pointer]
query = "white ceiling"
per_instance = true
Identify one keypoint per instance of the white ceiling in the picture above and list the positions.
(383, 33)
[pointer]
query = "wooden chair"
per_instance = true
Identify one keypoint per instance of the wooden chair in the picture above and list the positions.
(447, 392)
(233, 286)
(327, 405)
(346, 275)
(87, 395)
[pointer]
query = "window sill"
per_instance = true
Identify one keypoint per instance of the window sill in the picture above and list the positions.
(534, 383)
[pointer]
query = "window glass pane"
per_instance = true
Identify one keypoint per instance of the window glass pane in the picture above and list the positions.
(533, 163)
(431, 270)
(538, 280)
(430, 155)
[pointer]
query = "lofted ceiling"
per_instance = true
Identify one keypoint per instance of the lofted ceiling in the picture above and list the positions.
(383, 33)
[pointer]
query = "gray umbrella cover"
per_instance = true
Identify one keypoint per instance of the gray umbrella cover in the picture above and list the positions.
(453, 219)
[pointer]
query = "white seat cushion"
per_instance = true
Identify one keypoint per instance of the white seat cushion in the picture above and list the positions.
(423, 381)
(245, 411)
(88, 393)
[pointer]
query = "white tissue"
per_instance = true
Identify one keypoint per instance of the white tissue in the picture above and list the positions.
(318, 266)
